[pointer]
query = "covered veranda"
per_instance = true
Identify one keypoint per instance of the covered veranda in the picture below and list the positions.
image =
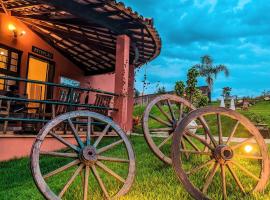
(59, 56)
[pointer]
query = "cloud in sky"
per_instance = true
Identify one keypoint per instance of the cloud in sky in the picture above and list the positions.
(235, 33)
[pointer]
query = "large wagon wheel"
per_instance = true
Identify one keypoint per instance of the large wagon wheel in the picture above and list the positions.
(237, 158)
(110, 159)
(160, 119)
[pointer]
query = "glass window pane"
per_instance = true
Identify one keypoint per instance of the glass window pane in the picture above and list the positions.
(3, 58)
(14, 55)
(14, 62)
(13, 68)
(2, 82)
(3, 65)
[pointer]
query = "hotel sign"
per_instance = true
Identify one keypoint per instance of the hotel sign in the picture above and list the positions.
(42, 52)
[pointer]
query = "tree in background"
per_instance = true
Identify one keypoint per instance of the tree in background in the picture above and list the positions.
(179, 88)
(194, 95)
(192, 76)
(161, 90)
(226, 92)
(136, 92)
(210, 72)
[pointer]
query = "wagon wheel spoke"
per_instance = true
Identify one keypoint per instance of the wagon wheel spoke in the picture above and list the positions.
(223, 180)
(113, 159)
(249, 156)
(191, 143)
(110, 146)
(65, 142)
(210, 178)
(75, 133)
(181, 111)
(205, 164)
(103, 133)
(239, 184)
(207, 130)
(233, 132)
(89, 127)
(161, 121)
(59, 154)
(109, 171)
(243, 142)
(219, 129)
(164, 113)
(250, 174)
(160, 129)
(100, 182)
(61, 169)
(209, 170)
(184, 148)
(165, 141)
(70, 181)
(195, 152)
(171, 110)
(200, 139)
(86, 182)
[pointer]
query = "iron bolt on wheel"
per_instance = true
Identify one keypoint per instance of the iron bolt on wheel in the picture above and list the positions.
(160, 119)
(236, 159)
(89, 164)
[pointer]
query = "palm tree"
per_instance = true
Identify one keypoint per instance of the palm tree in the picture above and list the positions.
(210, 72)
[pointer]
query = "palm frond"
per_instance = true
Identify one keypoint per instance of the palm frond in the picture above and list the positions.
(221, 68)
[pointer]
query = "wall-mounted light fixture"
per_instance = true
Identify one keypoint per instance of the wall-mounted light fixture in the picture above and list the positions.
(13, 29)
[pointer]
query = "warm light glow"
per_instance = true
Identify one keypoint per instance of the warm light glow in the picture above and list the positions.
(11, 27)
(248, 148)
(2, 53)
(23, 33)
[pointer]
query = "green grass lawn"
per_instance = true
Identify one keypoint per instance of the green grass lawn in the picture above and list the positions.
(154, 180)
(260, 112)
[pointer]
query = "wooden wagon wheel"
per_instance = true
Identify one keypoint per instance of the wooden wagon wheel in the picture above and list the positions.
(113, 169)
(162, 116)
(237, 159)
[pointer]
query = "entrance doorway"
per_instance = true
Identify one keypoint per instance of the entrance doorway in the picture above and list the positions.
(40, 70)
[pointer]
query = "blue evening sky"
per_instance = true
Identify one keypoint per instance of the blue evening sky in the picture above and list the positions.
(235, 33)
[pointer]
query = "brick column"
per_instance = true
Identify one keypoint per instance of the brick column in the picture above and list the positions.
(124, 80)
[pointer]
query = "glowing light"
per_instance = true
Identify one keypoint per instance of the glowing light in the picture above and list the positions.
(11, 27)
(248, 148)
(1, 53)
(23, 33)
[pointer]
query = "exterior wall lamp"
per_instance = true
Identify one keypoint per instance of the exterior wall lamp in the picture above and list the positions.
(13, 29)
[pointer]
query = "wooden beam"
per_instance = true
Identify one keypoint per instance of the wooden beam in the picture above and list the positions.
(25, 6)
(89, 14)
(61, 50)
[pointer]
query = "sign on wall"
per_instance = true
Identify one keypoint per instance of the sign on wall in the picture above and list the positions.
(42, 52)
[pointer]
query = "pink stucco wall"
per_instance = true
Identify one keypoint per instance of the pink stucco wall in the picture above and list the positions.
(15, 146)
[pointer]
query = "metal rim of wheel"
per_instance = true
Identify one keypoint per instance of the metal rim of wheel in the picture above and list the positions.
(86, 155)
(170, 122)
(222, 156)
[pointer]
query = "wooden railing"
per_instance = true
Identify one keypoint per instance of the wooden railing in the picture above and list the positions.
(47, 108)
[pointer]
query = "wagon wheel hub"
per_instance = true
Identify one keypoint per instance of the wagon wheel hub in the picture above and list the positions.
(88, 155)
(223, 153)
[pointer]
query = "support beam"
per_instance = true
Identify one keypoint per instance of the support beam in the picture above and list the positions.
(122, 82)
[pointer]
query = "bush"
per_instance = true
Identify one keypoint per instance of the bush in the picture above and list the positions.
(198, 99)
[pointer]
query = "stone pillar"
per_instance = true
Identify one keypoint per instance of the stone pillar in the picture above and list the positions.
(124, 80)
